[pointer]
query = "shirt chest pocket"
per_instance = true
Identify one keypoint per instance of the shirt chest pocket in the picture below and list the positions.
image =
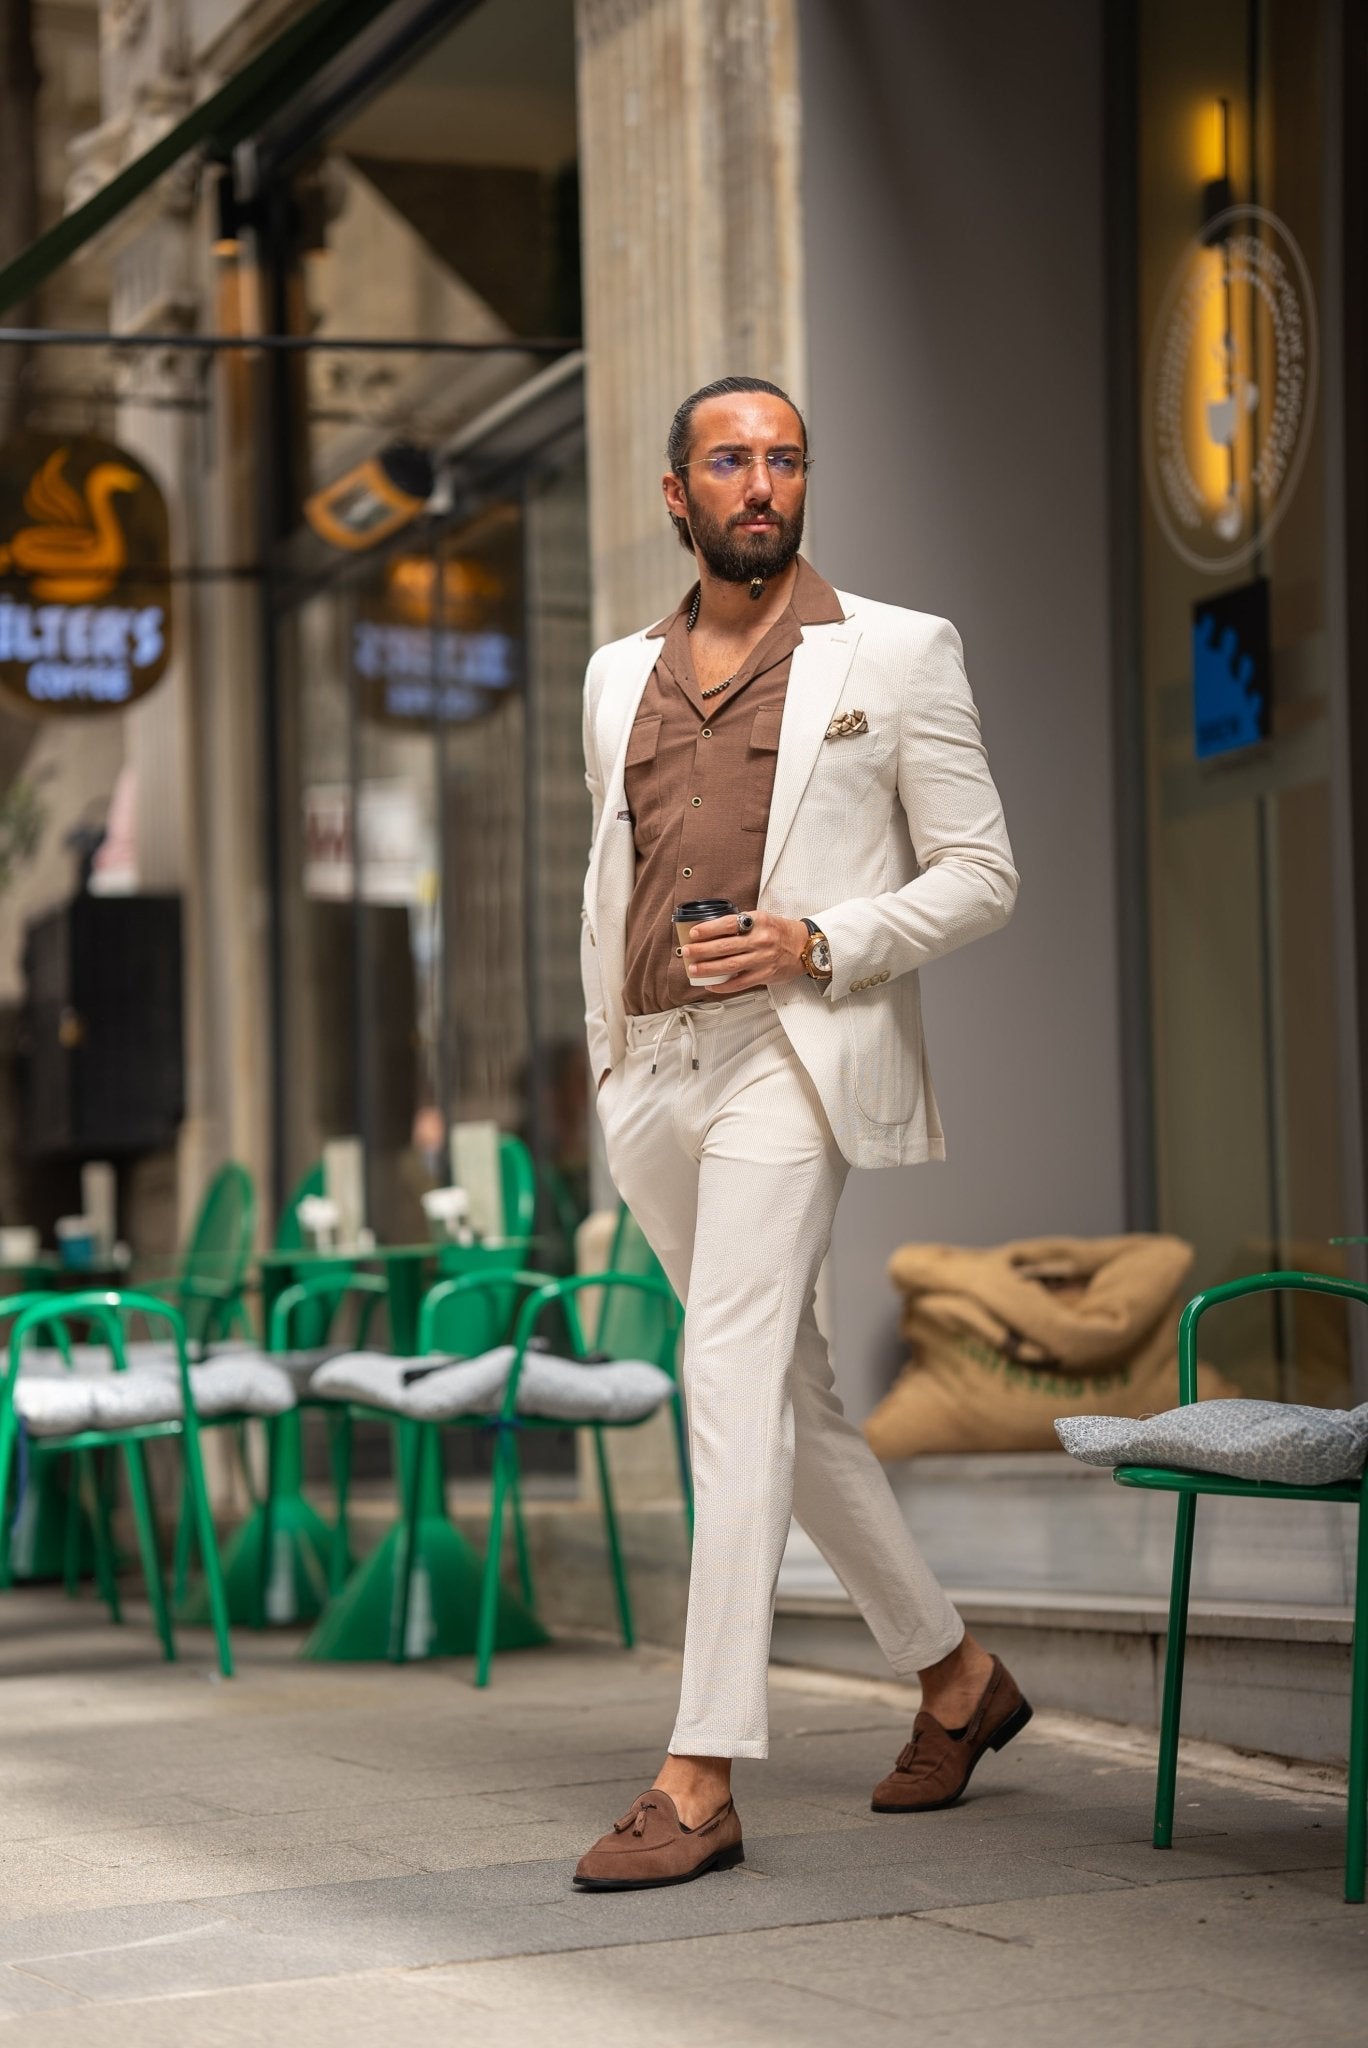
(642, 778)
(762, 758)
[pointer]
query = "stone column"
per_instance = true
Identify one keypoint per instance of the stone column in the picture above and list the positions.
(692, 263)
(692, 252)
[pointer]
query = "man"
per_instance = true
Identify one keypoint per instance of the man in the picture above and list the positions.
(814, 759)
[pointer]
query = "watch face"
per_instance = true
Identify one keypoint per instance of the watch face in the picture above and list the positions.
(821, 956)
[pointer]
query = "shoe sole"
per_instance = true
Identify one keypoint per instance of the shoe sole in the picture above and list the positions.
(725, 1859)
(1013, 1725)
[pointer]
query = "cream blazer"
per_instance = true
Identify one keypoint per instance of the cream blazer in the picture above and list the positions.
(891, 837)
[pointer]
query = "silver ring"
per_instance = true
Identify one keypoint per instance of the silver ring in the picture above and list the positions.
(744, 921)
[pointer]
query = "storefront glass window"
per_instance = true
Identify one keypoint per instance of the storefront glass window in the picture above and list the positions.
(1236, 654)
(434, 812)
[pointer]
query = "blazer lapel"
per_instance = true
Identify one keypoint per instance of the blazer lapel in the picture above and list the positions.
(612, 865)
(817, 676)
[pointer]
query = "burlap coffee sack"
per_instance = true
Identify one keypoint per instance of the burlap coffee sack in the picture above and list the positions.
(1003, 1341)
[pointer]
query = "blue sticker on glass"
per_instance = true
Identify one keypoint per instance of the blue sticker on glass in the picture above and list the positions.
(1231, 664)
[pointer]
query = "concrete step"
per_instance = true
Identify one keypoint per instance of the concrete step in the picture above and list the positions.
(1039, 1521)
(1259, 1676)
(1066, 1575)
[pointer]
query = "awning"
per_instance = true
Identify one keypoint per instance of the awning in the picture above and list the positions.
(237, 110)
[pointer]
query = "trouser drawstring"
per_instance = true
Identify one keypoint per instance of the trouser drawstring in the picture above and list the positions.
(685, 1019)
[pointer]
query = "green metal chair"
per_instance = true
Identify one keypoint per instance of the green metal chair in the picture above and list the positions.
(518, 1178)
(289, 1235)
(208, 1286)
(446, 1325)
(303, 1318)
(59, 1535)
(1187, 1486)
(105, 1313)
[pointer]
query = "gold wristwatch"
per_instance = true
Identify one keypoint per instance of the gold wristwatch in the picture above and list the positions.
(816, 954)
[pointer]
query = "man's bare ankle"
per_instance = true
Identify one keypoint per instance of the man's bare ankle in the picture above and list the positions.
(698, 1785)
(955, 1682)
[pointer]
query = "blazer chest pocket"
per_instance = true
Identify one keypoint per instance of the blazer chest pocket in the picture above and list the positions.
(849, 764)
(762, 758)
(642, 778)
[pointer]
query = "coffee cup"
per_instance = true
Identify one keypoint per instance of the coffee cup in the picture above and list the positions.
(686, 916)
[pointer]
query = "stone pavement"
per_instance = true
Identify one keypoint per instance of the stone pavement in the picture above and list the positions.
(339, 1855)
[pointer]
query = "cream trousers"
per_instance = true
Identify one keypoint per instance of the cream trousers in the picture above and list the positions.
(718, 1143)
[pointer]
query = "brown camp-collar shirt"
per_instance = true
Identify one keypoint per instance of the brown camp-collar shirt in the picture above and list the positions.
(699, 780)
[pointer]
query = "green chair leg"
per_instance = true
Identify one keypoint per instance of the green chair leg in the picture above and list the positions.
(9, 1430)
(89, 1482)
(71, 1532)
(140, 1494)
(1175, 1649)
(624, 1599)
(1358, 1723)
(520, 1533)
(504, 1453)
(208, 1543)
(185, 1545)
(266, 1506)
(340, 1458)
(411, 1473)
(106, 1556)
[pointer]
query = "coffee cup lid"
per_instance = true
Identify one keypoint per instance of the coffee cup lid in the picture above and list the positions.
(710, 906)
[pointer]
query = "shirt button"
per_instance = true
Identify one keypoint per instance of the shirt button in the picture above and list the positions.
(706, 733)
(679, 952)
(697, 802)
(687, 872)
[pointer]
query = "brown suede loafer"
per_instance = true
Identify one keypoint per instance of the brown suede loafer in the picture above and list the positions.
(936, 1765)
(651, 1846)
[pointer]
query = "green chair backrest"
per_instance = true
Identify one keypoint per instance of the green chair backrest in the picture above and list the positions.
(476, 1318)
(518, 1175)
(631, 1324)
(289, 1235)
(215, 1259)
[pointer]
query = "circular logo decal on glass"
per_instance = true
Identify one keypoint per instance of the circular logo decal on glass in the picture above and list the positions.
(1230, 390)
(85, 597)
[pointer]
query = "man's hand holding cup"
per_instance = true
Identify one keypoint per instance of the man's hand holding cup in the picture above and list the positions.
(723, 947)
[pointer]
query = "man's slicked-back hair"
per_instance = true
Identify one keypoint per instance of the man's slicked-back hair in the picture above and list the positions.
(681, 426)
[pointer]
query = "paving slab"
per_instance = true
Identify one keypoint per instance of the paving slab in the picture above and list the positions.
(339, 1855)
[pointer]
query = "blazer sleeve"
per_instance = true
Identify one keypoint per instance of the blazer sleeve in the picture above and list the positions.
(595, 1022)
(967, 884)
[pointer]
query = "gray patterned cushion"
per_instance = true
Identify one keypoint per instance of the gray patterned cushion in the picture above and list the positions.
(240, 1386)
(1268, 1440)
(561, 1389)
(115, 1400)
(459, 1387)
(55, 1402)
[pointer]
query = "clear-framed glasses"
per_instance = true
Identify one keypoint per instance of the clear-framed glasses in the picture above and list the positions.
(728, 465)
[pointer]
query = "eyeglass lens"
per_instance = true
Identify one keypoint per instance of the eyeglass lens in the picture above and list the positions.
(785, 463)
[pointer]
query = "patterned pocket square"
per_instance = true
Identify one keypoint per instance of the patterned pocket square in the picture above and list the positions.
(845, 724)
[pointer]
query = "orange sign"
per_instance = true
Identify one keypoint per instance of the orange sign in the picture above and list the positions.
(85, 600)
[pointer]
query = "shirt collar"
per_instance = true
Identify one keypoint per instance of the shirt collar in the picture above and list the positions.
(813, 603)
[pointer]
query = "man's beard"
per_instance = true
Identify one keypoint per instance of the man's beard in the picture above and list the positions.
(737, 557)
